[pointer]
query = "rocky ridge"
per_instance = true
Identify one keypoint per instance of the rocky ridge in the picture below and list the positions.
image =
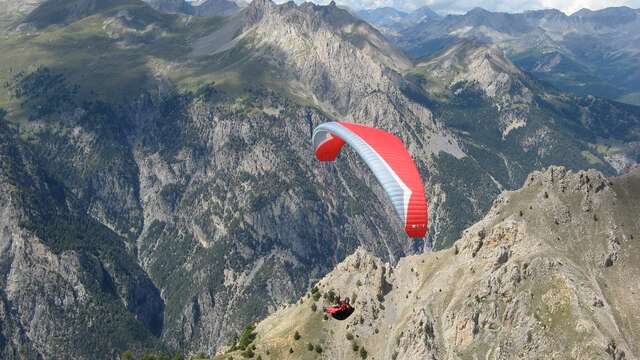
(53, 284)
(487, 69)
(548, 273)
(587, 53)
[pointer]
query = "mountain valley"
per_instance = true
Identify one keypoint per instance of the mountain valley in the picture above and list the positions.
(159, 190)
(585, 53)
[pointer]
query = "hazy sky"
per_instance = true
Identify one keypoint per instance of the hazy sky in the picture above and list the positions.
(458, 6)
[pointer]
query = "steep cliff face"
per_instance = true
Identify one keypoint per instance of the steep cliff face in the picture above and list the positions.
(216, 195)
(232, 215)
(245, 214)
(68, 285)
(544, 275)
(342, 66)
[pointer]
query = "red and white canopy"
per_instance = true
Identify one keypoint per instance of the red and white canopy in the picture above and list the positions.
(391, 163)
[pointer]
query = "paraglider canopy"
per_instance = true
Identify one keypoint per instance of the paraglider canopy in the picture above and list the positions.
(391, 163)
(341, 311)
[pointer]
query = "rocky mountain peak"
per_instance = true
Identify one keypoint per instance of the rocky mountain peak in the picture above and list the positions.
(478, 11)
(305, 14)
(466, 52)
(214, 8)
(344, 65)
(265, 4)
(545, 14)
(609, 17)
(426, 11)
(474, 65)
(257, 10)
(327, 49)
(513, 282)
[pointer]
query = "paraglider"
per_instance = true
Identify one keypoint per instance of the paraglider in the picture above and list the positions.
(341, 311)
(390, 162)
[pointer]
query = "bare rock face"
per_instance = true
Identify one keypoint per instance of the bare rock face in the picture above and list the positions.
(346, 66)
(11, 11)
(467, 65)
(59, 292)
(347, 69)
(518, 285)
(250, 220)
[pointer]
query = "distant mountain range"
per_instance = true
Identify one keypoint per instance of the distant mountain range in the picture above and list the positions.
(12, 11)
(586, 53)
(389, 19)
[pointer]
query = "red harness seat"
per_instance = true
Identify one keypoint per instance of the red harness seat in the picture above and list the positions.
(341, 311)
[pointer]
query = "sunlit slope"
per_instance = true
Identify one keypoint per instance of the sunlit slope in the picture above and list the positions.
(548, 273)
(111, 50)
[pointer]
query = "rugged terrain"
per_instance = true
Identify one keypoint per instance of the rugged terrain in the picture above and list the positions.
(586, 53)
(63, 274)
(392, 21)
(551, 272)
(174, 152)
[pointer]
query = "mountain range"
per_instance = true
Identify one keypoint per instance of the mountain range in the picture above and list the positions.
(159, 190)
(389, 19)
(586, 53)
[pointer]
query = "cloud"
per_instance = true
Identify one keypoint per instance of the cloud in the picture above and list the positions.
(461, 6)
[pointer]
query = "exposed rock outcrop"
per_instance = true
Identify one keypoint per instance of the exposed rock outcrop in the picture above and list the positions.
(527, 291)
(64, 278)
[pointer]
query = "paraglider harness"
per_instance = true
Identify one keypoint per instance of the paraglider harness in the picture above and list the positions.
(341, 311)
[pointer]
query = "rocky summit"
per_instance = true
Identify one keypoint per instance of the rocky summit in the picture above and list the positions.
(551, 272)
